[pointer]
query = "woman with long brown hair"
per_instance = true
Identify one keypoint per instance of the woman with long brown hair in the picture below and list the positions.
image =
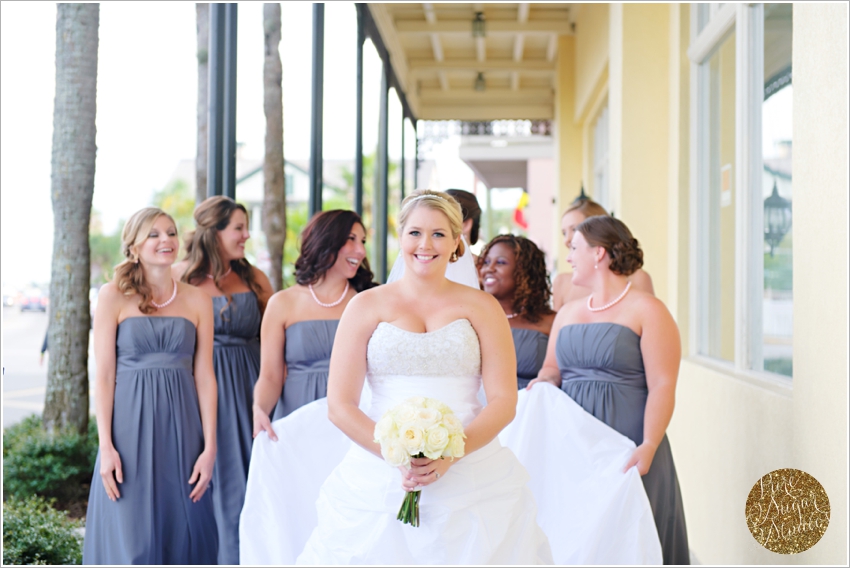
(513, 270)
(156, 409)
(215, 263)
(300, 323)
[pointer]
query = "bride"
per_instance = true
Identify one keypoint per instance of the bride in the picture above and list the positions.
(313, 496)
(421, 335)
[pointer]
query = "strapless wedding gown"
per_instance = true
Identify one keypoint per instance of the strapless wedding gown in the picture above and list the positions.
(315, 497)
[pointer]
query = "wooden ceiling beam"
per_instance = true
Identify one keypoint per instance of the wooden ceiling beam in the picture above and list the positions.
(492, 27)
(535, 95)
(420, 66)
(495, 111)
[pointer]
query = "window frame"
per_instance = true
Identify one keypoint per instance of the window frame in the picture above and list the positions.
(747, 22)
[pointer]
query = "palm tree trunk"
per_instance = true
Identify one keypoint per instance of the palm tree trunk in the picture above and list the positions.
(274, 188)
(202, 16)
(71, 186)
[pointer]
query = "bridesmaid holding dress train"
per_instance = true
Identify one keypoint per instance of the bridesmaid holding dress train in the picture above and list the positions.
(513, 270)
(215, 263)
(300, 323)
(616, 354)
(156, 409)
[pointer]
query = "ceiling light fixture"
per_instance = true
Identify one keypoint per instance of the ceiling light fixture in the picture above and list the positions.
(480, 83)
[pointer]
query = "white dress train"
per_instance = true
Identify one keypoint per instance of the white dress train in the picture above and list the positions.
(314, 497)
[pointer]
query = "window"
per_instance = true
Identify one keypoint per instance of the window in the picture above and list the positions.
(741, 293)
(778, 298)
(600, 159)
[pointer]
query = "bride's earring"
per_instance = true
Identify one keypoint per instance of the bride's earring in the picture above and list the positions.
(453, 257)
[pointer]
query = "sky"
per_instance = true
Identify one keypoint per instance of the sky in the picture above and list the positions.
(146, 108)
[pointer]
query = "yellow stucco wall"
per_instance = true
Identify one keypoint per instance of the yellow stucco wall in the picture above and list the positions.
(640, 147)
(568, 145)
(726, 433)
(591, 38)
(820, 260)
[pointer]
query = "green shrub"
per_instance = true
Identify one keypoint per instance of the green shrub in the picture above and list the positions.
(36, 533)
(50, 464)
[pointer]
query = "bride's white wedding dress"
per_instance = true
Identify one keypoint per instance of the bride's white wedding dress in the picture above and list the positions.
(480, 512)
(315, 497)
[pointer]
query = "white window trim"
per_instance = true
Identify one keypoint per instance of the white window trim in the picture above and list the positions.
(747, 20)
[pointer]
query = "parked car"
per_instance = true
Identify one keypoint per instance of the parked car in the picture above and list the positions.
(34, 300)
(9, 295)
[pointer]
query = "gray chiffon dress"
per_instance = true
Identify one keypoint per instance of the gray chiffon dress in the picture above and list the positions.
(236, 359)
(157, 431)
(530, 346)
(602, 370)
(307, 354)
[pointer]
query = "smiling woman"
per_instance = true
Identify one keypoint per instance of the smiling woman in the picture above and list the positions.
(156, 404)
(215, 263)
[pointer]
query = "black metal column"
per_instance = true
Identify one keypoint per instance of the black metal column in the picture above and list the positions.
(380, 220)
(315, 203)
(358, 145)
(215, 121)
(402, 158)
(416, 155)
(228, 166)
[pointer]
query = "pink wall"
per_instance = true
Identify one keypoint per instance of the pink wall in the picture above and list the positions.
(541, 199)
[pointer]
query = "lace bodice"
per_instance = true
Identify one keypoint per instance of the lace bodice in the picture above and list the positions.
(444, 364)
(451, 350)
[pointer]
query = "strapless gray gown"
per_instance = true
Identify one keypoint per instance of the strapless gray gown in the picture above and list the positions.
(530, 346)
(602, 370)
(156, 428)
(236, 359)
(307, 354)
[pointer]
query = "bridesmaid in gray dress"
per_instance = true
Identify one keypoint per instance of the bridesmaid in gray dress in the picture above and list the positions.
(300, 322)
(215, 263)
(156, 409)
(513, 270)
(617, 354)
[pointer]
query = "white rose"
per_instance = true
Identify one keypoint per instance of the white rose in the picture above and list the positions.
(456, 446)
(427, 417)
(452, 424)
(433, 403)
(411, 439)
(416, 401)
(384, 428)
(436, 440)
(405, 414)
(395, 453)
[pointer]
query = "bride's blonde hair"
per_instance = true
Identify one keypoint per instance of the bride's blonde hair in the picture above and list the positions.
(439, 201)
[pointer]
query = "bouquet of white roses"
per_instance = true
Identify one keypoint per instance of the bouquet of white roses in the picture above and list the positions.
(419, 427)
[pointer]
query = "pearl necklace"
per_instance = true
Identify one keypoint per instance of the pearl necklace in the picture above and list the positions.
(171, 299)
(511, 316)
(611, 303)
(223, 275)
(332, 304)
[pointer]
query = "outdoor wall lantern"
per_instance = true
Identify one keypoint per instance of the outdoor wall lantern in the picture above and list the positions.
(582, 197)
(478, 25)
(480, 83)
(777, 218)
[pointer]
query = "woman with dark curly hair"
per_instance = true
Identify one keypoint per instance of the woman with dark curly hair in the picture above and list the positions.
(513, 270)
(617, 355)
(300, 322)
(215, 263)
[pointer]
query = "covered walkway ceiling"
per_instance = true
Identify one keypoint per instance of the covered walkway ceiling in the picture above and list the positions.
(437, 59)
